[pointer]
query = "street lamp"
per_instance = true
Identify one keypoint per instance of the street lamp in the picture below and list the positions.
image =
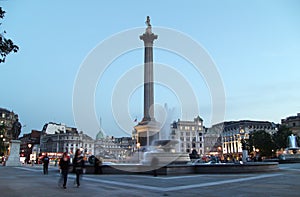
(28, 152)
(243, 143)
(138, 145)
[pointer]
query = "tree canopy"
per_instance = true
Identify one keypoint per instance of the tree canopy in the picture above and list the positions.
(267, 143)
(6, 45)
(263, 141)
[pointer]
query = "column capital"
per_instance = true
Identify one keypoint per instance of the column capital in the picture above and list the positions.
(148, 38)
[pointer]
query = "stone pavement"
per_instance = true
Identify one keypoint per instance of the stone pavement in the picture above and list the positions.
(30, 181)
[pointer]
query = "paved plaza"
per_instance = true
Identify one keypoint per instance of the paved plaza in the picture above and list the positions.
(30, 181)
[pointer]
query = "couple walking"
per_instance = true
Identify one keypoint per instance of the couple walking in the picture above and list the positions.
(78, 165)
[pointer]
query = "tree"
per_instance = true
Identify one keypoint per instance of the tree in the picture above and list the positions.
(6, 45)
(280, 138)
(263, 141)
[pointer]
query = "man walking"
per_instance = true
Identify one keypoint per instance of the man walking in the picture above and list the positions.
(45, 164)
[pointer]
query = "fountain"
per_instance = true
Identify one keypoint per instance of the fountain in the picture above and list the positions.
(292, 152)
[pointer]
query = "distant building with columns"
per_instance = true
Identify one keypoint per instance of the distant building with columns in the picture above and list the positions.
(234, 131)
(58, 138)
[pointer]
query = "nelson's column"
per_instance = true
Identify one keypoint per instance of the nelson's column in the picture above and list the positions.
(148, 129)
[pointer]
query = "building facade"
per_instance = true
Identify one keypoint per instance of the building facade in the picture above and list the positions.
(234, 131)
(190, 135)
(30, 144)
(7, 119)
(293, 123)
(58, 138)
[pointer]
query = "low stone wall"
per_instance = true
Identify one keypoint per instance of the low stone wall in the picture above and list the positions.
(238, 168)
(188, 169)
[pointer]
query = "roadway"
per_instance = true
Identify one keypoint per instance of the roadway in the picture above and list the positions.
(30, 181)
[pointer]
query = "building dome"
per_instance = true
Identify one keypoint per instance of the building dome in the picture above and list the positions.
(100, 135)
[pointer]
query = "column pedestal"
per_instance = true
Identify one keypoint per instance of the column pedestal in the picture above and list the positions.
(147, 132)
(14, 153)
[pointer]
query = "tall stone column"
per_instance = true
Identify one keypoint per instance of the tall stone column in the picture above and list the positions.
(148, 37)
(147, 130)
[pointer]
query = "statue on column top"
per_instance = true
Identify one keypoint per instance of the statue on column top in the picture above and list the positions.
(148, 29)
(148, 21)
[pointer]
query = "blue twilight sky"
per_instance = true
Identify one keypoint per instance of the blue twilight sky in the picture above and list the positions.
(255, 46)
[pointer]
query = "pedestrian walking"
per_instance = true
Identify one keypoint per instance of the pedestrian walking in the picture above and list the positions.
(45, 163)
(78, 164)
(98, 165)
(64, 164)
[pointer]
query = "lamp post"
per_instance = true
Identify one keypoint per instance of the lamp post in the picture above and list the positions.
(243, 143)
(138, 145)
(2, 142)
(28, 152)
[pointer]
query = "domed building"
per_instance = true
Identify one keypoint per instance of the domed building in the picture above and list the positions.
(100, 135)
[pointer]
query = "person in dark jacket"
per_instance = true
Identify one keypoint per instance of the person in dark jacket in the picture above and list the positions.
(64, 164)
(78, 164)
(98, 165)
(45, 163)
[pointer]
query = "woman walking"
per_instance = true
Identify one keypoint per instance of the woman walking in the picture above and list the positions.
(78, 164)
(64, 164)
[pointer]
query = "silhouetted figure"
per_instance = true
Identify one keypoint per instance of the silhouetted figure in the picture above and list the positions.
(45, 163)
(154, 166)
(64, 164)
(78, 164)
(98, 165)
